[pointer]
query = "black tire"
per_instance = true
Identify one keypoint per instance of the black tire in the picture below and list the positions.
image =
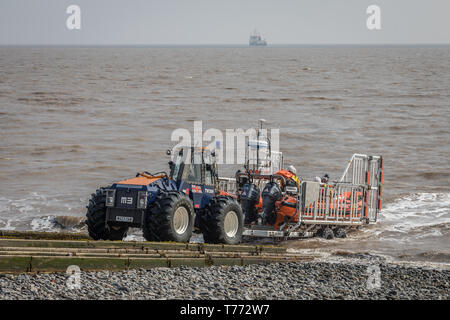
(340, 233)
(96, 219)
(160, 222)
(212, 221)
(327, 233)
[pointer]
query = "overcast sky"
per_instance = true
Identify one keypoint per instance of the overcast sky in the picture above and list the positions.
(224, 22)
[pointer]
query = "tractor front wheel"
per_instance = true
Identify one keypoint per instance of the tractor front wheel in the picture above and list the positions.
(96, 219)
(223, 221)
(171, 218)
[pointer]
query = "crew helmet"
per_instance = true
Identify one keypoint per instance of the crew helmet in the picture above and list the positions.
(325, 178)
(292, 169)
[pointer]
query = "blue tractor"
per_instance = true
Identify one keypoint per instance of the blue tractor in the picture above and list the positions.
(169, 207)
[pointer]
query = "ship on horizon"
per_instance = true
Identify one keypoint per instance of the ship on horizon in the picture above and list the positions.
(256, 40)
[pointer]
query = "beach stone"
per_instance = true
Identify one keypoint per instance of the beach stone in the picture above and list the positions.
(289, 280)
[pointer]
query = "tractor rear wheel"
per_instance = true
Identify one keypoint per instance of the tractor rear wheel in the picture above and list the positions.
(171, 218)
(222, 221)
(96, 219)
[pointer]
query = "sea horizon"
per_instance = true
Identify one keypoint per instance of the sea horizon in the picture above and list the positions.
(193, 45)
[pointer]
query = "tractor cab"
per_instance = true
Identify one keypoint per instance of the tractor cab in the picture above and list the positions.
(194, 170)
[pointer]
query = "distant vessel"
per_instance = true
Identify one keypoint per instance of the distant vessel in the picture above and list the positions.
(256, 40)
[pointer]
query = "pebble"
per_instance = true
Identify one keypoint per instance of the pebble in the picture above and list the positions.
(289, 280)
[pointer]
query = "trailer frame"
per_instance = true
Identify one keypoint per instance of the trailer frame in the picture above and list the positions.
(352, 201)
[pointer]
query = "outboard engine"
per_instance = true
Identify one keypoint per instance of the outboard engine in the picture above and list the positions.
(249, 200)
(270, 195)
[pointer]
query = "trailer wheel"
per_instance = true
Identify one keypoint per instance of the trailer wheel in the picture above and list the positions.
(222, 221)
(171, 218)
(340, 233)
(327, 233)
(96, 219)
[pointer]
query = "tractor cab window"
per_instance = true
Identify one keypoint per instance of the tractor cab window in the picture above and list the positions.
(177, 166)
(195, 169)
(209, 170)
(208, 175)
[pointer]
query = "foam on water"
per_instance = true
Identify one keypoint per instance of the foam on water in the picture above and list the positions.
(6, 225)
(35, 203)
(36, 211)
(135, 234)
(418, 214)
(134, 237)
(43, 224)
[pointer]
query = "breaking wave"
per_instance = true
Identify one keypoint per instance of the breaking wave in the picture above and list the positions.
(37, 211)
(419, 210)
(418, 223)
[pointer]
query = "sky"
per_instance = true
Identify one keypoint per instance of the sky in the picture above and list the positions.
(172, 22)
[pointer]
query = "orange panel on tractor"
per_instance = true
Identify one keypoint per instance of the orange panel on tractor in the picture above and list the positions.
(139, 181)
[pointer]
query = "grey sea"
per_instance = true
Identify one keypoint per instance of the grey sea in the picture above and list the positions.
(74, 119)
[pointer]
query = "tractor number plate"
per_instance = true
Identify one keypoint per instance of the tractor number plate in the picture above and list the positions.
(124, 219)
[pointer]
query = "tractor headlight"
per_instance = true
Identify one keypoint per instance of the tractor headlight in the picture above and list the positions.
(142, 200)
(110, 195)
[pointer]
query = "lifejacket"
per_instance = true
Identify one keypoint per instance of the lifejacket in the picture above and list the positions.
(286, 211)
(289, 175)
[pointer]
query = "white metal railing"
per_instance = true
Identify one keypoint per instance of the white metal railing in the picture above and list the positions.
(357, 168)
(332, 204)
(374, 192)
